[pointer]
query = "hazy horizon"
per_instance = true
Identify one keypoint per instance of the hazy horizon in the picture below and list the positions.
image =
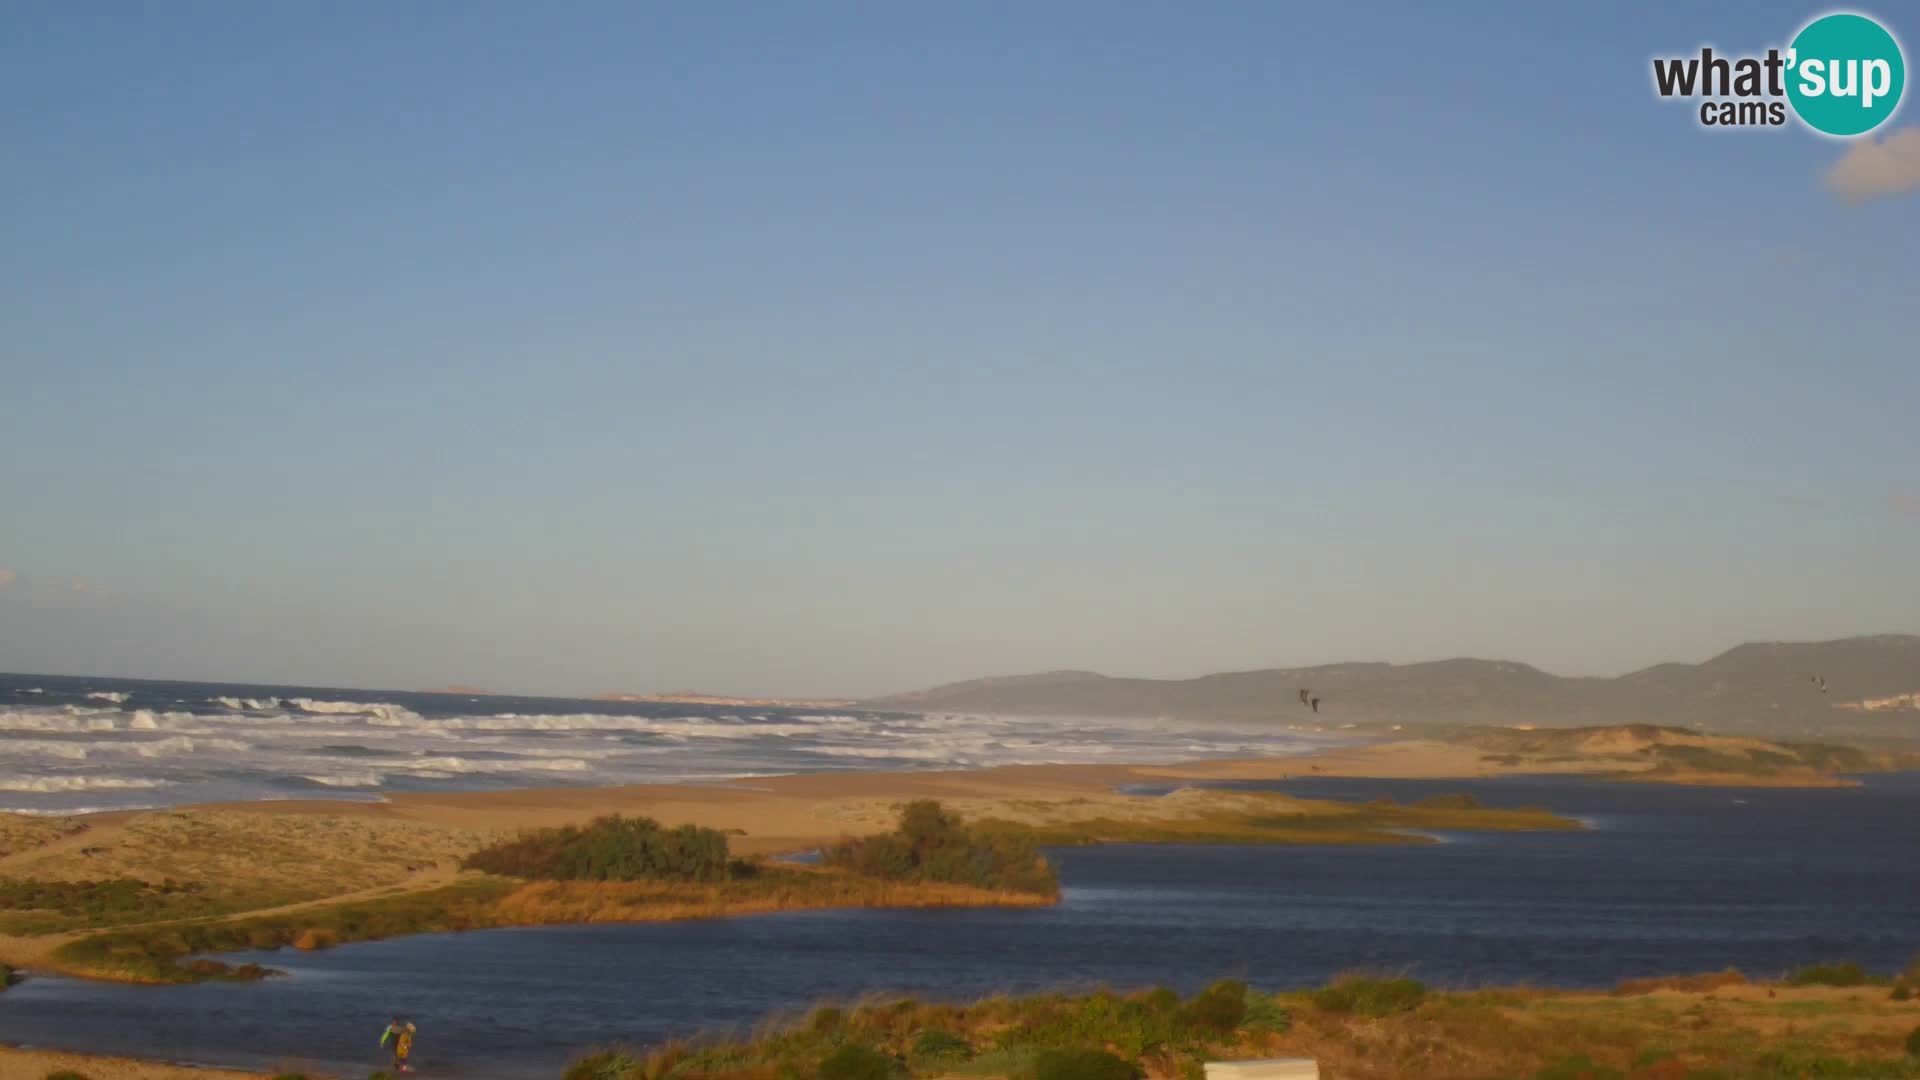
(848, 351)
(464, 686)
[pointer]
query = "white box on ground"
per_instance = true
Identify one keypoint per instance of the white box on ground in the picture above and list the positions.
(1264, 1069)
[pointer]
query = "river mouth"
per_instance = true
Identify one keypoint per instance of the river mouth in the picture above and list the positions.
(1678, 880)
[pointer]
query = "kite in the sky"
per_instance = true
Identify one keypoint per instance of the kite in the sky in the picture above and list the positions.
(1820, 682)
(1303, 696)
(1315, 702)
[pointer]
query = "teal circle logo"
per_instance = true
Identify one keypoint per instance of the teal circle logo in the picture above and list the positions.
(1845, 74)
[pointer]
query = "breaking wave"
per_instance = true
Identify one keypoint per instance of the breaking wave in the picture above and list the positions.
(116, 696)
(378, 712)
(239, 743)
(345, 779)
(79, 783)
(458, 766)
(250, 704)
(680, 727)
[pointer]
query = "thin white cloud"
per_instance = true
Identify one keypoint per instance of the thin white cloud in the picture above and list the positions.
(1878, 168)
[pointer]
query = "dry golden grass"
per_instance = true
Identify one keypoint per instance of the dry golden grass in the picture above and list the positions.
(1473, 1036)
(776, 889)
(292, 856)
(25, 832)
(1693, 984)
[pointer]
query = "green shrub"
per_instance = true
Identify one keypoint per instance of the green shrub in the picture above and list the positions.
(1162, 999)
(607, 1065)
(1082, 1065)
(1012, 1061)
(96, 901)
(1829, 975)
(610, 849)
(825, 1020)
(1804, 1065)
(1219, 1008)
(1265, 1013)
(380, 1074)
(932, 844)
(939, 1046)
(1902, 993)
(7, 977)
(1913, 1043)
(1371, 997)
(856, 1062)
(291, 1076)
(65, 1074)
(1578, 1067)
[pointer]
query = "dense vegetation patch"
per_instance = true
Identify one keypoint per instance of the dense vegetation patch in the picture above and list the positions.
(1377, 1029)
(1098, 1036)
(611, 848)
(1848, 974)
(932, 844)
(1364, 995)
(1085, 1064)
(117, 896)
(854, 1061)
(31, 907)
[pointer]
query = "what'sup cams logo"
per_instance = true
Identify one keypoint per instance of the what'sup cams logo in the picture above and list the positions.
(1842, 75)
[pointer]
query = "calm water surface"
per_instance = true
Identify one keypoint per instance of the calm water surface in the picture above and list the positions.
(1668, 880)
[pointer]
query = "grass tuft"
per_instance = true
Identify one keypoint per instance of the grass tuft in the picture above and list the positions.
(1368, 996)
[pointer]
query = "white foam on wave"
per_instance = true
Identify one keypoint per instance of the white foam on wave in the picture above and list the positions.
(33, 690)
(115, 696)
(376, 712)
(149, 748)
(184, 723)
(346, 779)
(893, 753)
(459, 766)
(181, 744)
(249, 704)
(303, 731)
(79, 783)
(66, 718)
(70, 811)
(679, 727)
(69, 751)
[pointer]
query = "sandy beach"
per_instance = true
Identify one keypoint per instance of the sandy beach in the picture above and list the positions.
(771, 815)
(16, 1064)
(279, 857)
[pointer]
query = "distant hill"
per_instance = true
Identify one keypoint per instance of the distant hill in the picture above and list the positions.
(1766, 687)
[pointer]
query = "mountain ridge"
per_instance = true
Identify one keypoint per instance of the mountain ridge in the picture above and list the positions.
(1756, 686)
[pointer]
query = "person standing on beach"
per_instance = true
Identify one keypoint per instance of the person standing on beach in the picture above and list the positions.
(401, 1032)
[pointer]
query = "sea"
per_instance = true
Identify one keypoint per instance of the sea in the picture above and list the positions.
(1662, 880)
(72, 745)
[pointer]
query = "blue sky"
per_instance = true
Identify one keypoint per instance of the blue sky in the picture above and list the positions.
(853, 347)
